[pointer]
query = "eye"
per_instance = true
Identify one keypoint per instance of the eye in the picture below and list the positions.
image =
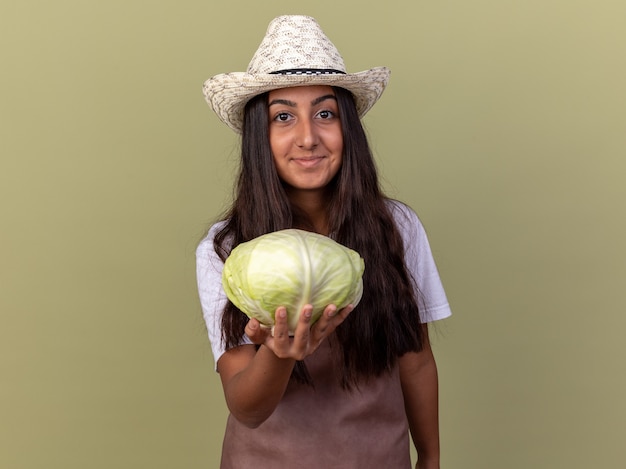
(282, 117)
(326, 114)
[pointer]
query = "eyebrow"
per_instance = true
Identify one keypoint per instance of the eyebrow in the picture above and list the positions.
(316, 101)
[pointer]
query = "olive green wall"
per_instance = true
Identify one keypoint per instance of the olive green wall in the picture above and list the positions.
(503, 126)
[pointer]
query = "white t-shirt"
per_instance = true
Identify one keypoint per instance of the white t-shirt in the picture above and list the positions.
(432, 302)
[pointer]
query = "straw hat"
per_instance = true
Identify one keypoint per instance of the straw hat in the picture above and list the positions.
(294, 52)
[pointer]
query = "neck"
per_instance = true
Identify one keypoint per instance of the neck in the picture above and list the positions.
(312, 204)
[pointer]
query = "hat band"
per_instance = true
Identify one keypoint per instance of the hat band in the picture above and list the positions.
(308, 71)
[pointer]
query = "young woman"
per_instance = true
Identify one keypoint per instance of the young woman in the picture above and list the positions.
(346, 391)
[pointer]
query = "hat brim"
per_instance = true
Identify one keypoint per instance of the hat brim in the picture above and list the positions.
(228, 93)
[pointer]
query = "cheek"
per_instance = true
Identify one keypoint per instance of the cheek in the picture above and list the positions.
(277, 145)
(338, 148)
(338, 140)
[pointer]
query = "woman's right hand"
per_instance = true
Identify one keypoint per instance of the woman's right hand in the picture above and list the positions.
(254, 380)
(306, 338)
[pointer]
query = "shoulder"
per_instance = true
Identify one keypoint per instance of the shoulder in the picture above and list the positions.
(407, 221)
(420, 263)
(206, 249)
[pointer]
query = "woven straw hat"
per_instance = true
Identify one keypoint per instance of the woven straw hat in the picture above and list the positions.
(294, 52)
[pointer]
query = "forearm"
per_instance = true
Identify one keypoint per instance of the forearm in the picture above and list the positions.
(255, 381)
(420, 388)
(253, 393)
(425, 427)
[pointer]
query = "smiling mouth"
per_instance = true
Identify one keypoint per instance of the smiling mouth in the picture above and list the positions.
(308, 160)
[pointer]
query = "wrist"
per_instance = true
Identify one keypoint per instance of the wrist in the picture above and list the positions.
(427, 461)
(422, 464)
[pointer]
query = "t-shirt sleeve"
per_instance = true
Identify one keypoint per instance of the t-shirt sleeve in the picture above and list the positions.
(432, 301)
(212, 296)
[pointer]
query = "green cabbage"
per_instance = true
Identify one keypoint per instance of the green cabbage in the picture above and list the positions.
(292, 268)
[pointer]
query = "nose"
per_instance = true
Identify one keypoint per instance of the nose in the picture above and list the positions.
(306, 134)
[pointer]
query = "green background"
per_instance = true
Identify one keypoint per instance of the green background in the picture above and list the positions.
(503, 126)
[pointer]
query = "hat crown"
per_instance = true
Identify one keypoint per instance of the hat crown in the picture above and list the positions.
(295, 42)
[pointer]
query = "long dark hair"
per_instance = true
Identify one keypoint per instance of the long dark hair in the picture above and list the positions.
(385, 324)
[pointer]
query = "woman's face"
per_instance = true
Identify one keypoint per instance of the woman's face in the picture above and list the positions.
(305, 136)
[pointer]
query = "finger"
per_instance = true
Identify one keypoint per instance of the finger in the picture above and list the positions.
(331, 318)
(303, 331)
(321, 327)
(343, 314)
(281, 324)
(280, 332)
(256, 332)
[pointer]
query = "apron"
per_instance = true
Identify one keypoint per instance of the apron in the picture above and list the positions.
(325, 426)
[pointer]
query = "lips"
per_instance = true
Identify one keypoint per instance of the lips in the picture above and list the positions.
(308, 161)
